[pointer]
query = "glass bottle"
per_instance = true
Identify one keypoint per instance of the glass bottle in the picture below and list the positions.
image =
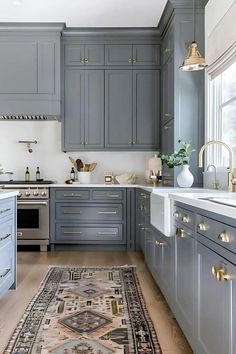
(37, 174)
(27, 175)
(72, 174)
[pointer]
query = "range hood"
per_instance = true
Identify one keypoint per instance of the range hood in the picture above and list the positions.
(27, 118)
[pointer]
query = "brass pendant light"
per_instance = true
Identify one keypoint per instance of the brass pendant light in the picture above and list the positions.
(194, 60)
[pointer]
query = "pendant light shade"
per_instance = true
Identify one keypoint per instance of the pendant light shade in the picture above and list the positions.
(194, 61)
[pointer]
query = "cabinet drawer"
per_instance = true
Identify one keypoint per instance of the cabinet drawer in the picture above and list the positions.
(218, 232)
(7, 233)
(91, 234)
(7, 268)
(6, 207)
(73, 194)
(184, 216)
(113, 212)
(108, 194)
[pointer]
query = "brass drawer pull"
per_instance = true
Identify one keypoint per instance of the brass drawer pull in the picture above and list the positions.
(176, 214)
(167, 114)
(167, 50)
(223, 237)
(4, 210)
(130, 60)
(71, 195)
(159, 243)
(72, 212)
(72, 232)
(220, 273)
(5, 272)
(186, 219)
(201, 226)
(107, 212)
(82, 61)
(180, 232)
(4, 237)
(106, 233)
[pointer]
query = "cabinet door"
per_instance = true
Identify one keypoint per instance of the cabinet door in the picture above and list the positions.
(215, 303)
(167, 147)
(146, 54)
(149, 251)
(94, 109)
(146, 113)
(168, 90)
(184, 282)
(74, 110)
(74, 54)
(94, 54)
(118, 108)
(168, 45)
(118, 54)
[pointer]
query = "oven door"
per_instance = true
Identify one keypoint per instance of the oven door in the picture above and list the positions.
(32, 220)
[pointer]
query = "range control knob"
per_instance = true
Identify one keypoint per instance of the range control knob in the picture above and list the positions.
(19, 194)
(36, 194)
(27, 194)
(43, 194)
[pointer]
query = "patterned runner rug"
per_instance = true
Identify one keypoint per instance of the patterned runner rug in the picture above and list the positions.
(92, 310)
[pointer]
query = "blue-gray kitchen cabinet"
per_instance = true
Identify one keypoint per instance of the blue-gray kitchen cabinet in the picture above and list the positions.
(30, 70)
(132, 54)
(215, 304)
(83, 126)
(167, 147)
(132, 109)
(83, 54)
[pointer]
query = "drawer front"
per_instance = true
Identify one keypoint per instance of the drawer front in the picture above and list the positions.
(73, 194)
(6, 207)
(108, 194)
(184, 216)
(113, 212)
(7, 268)
(91, 234)
(218, 232)
(7, 233)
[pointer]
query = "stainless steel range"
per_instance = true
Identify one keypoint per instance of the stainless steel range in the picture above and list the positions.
(32, 212)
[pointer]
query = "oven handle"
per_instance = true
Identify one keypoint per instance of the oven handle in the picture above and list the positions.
(32, 203)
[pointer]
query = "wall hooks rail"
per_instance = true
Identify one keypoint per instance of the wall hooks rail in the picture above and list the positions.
(28, 144)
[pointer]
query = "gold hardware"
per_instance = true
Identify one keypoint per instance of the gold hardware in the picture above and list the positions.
(167, 114)
(159, 243)
(185, 219)
(133, 142)
(220, 273)
(82, 61)
(167, 50)
(176, 214)
(130, 60)
(86, 143)
(201, 226)
(166, 127)
(86, 61)
(180, 232)
(224, 237)
(231, 184)
(130, 142)
(82, 142)
(134, 61)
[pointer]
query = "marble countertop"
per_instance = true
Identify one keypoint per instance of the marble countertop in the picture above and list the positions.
(102, 185)
(7, 194)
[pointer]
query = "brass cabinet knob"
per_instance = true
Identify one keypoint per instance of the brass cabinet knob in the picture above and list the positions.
(159, 243)
(134, 61)
(130, 60)
(201, 226)
(167, 114)
(86, 61)
(180, 232)
(86, 143)
(130, 142)
(82, 142)
(176, 214)
(82, 61)
(167, 50)
(220, 273)
(223, 237)
(133, 142)
(186, 219)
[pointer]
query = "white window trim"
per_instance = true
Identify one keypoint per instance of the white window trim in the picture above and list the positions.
(212, 72)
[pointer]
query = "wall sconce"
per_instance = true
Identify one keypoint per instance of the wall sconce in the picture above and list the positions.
(28, 144)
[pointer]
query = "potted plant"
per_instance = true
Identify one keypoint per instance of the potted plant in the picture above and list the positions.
(181, 158)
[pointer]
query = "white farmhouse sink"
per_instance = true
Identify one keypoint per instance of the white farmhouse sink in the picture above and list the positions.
(161, 206)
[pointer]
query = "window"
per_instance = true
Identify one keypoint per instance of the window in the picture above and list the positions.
(221, 120)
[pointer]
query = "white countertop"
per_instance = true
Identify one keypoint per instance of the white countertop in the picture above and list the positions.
(192, 199)
(148, 188)
(7, 194)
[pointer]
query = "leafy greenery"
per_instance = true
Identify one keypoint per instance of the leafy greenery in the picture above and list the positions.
(178, 158)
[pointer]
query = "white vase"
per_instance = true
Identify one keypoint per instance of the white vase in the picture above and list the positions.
(185, 178)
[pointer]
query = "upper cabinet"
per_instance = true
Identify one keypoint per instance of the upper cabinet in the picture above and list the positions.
(30, 70)
(81, 54)
(128, 54)
(111, 90)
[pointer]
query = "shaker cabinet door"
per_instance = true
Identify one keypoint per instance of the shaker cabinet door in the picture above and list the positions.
(118, 54)
(118, 109)
(74, 110)
(146, 108)
(146, 54)
(94, 109)
(168, 90)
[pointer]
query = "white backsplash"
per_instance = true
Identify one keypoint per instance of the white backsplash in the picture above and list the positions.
(53, 163)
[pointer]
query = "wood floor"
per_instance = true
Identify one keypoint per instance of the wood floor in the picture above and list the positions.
(32, 267)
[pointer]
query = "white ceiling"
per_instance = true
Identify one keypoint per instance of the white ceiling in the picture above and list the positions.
(84, 13)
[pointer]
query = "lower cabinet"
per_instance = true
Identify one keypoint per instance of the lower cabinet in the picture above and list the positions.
(88, 217)
(215, 303)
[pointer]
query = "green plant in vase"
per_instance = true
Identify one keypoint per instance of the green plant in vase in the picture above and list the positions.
(181, 158)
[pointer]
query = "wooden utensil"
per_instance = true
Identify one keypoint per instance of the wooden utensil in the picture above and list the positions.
(73, 162)
(79, 164)
(86, 167)
(92, 166)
